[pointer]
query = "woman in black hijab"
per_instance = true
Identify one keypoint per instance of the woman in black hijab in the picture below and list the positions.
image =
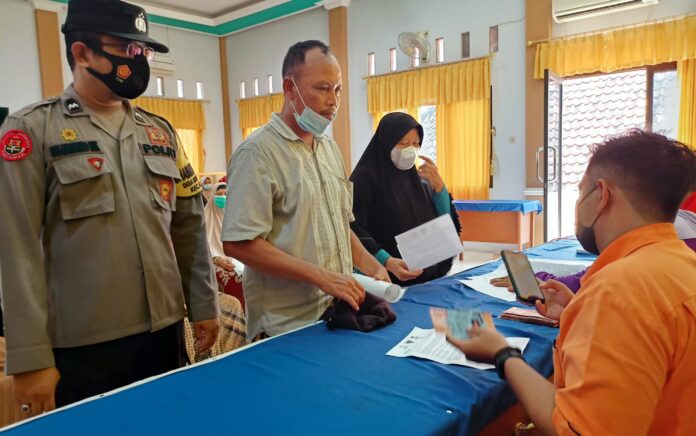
(391, 196)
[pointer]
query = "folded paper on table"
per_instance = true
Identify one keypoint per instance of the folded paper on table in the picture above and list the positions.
(388, 291)
(431, 345)
(429, 243)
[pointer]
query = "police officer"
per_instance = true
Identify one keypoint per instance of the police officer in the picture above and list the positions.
(102, 243)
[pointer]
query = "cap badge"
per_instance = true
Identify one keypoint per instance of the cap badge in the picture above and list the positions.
(141, 23)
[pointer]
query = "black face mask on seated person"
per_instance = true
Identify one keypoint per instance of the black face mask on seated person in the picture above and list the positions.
(128, 77)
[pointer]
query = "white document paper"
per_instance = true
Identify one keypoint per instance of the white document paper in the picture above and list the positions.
(428, 344)
(429, 243)
(559, 267)
(483, 285)
(388, 291)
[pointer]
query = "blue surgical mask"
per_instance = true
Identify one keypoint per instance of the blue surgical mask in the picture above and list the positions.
(220, 201)
(309, 121)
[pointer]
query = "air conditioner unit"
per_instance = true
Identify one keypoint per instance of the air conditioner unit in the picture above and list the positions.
(571, 10)
(163, 64)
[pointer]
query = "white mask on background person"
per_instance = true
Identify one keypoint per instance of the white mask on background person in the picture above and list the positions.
(404, 158)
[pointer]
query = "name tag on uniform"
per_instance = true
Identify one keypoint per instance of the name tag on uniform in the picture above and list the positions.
(158, 150)
(70, 148)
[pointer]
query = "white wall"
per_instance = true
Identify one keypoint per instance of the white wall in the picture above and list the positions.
(197, 58)
(665, 9)
(20, 79)
(373, 26)
(259, 51)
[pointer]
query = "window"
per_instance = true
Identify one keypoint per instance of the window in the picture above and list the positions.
(439, 50)
(493, 39)
(242, 90)
(427, 115)
(270, 84)
(180, 88)
(199, 90)
(392, 59)
(160, 86)
(370, 64)
(256, 86)
(664, 113)
(415, 60)
(465, 45)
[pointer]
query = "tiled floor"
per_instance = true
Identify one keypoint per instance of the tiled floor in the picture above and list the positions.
(472, 259)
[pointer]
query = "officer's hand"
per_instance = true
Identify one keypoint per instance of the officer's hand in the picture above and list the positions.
(36, 389)
(344, 287)
(206, 333)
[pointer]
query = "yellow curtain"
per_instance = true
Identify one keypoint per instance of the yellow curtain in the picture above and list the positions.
(450, 83)
(183, 114)
(188, 118)
(461, 92)
(687, 103)
(247, 131)
(192, 141)
(255, 112)
(464, 148)
(620, 49)
(376, 118)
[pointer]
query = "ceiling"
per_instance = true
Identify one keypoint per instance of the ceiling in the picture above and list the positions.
(218, 17)
(207, 8)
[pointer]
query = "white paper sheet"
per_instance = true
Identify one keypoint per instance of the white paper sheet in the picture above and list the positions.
(388, 291)
(483, 285)
(559, 267)
(429, 243)
(428, 344)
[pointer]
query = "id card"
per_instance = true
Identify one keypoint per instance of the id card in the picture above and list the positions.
(455, 323)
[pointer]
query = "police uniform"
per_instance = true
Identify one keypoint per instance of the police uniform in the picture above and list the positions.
(102, 235)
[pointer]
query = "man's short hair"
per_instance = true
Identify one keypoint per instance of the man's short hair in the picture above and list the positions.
(296, 54)
(655, 172)
(73, 37)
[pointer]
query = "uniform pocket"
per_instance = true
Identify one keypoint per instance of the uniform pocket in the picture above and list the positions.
(163, 176)
(86, 188)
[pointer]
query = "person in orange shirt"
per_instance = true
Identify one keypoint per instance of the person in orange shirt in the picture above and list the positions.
(625, 357)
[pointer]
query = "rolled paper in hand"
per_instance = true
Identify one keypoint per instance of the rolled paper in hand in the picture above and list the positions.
(388, 291)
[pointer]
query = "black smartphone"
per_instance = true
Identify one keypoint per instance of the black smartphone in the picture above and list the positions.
(521, 274)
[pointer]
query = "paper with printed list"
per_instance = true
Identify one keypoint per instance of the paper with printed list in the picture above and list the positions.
(431, 345)
(429, 243)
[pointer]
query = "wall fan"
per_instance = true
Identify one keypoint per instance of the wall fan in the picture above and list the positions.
(409, 41)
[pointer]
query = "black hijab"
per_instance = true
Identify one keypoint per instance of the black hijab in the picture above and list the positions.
(388, 201)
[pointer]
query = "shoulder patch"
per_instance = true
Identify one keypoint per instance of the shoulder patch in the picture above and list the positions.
(189, 185)
(15, 145)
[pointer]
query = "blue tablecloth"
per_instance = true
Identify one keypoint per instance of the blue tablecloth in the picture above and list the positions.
(316, 381)
(524, 206)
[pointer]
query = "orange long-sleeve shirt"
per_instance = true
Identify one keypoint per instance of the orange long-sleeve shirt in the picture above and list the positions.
(625, 358)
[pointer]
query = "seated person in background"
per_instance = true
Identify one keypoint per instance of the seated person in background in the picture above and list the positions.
(625, 355)
(391, 196)
(685, 224)
(228, 277)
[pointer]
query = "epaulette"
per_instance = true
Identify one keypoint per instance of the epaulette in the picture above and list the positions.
(32, 107)
(137, 109)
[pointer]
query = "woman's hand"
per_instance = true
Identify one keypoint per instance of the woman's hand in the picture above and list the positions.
(429, 172)
(399, 268)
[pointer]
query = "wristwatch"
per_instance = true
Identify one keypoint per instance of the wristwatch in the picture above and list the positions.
(503, 355)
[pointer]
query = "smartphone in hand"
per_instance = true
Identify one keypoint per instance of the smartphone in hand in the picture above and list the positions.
(522, 277)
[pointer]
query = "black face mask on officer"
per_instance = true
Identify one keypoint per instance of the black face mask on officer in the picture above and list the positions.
(128, 77)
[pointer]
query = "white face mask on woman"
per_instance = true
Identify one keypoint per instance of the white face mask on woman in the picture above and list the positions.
(404, 158)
